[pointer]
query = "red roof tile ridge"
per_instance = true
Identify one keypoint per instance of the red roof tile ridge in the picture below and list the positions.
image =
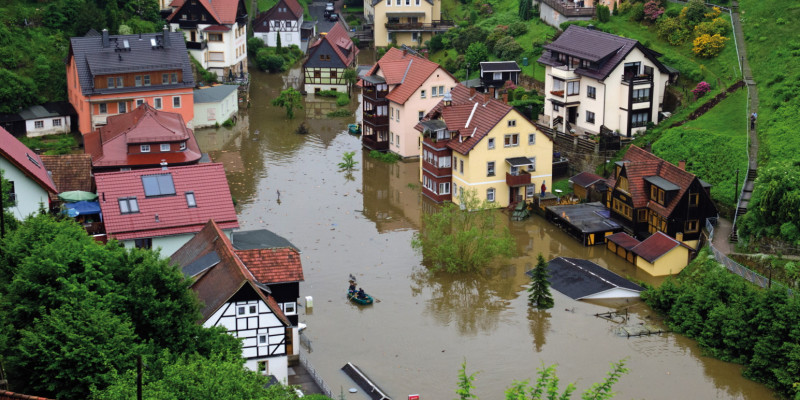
(21, 156)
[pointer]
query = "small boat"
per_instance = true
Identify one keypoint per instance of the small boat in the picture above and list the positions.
(354, 298)
(354, 129)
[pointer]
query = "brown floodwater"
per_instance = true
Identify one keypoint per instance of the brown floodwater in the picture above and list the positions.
(415, 338)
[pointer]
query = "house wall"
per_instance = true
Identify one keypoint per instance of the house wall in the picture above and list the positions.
(28, 192)
(232, 48)
(669, 264)
(208, 114)
(49, 127)
(168, 244)
(475, 176)
(324, 82)
(554, 18)
(431, 12)
(410, 139)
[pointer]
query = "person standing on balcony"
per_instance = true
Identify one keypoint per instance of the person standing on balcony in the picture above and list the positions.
(544, 188)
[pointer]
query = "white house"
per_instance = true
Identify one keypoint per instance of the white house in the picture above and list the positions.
(216, 33)
(24, 169)
(215, 105)
(595, 79)
(284, 19)
(234, 299)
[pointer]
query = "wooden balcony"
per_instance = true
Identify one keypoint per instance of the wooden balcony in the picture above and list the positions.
(376, 120)
(435, 26)
(371, 142)
(196, 45)
(371, 92)
(568, 9)
(436, 144)
(523, 178)
(436, 171)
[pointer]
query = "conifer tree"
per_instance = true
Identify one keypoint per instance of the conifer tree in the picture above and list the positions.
(539, 292)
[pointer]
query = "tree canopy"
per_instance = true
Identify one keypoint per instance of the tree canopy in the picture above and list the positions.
(289, 99)
(539, 292)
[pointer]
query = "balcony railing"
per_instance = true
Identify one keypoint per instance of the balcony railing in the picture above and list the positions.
(435, 26)
(436, 143)
(196, 45)
(523, 178)
(372, 142)
(636, 79)
(376, 120)
(371, 92)
(568, 9)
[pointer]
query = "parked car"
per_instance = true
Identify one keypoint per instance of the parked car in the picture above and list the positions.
(333, 17)
(328, 9)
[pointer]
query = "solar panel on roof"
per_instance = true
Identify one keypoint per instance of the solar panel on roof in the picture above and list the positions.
(158, 185)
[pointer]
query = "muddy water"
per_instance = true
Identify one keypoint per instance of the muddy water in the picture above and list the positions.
(424, 326)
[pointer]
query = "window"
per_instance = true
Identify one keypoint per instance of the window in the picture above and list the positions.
(56, 122)
(290, 308)
(158, 185)
(164, 79)
(623, 209)
(639, 119)
(146, 243)
(103, 108)
(491, 143)
(120, 82)
(641, 95)
(164, 147)
(490, 168)
(511, 140)
(461, 166)
(245, 310)
(333, 76)
(397, 2)
(590, 117)
(146, 80)
(122, 107)
(111, 82)
(694, 199)
(215, 37)
(183, 145)
(490, 195)
(38, 124)
(573, 88)
(512, 123)
(455, 162)
(176, 102)
(139, 102)
(144, 148)
(416, 2)
(408, 2)
(12, 195)
(190, 201)
(421, 115)
(441, 90)
(174, 77)
(642, 215)
(531, 139)
(138, 80)
(532, 167)
(530, 191)
(591, 92)
(157, 103)
(128, 205)
(397, 142)
(555, 107)
(422, 94)
(497, 76)
(444, 188)
(692, 226)
(434, 91)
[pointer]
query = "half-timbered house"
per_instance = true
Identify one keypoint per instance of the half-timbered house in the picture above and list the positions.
(649, 194)
(284, 19)
(234, 299)
(328, 57)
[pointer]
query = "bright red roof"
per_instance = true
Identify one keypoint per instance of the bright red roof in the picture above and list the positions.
(206, 181)
(655, 246)
(271, 266)
(26, 160)
(108, 145)
(405, 70)
(641, 164)
(223, 11)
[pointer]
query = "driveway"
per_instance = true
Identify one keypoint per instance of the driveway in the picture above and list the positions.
(317, 11)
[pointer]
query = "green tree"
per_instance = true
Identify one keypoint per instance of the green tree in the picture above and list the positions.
(268, 61)
(467, 36)
(539, 292)
(465, 383)
(476, 52)
(278, 46)
(16, 92)
(350, 76)
(289, 99)
(603, 14)
(507, 48)
(525, 10)
(462, 240)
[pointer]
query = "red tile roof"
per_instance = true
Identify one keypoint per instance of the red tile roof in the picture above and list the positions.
(225, 279)
(623, 240)
(585, 179)
(177, 4)
(294, 7)
(6, 395)
(69, 172)
(211, 193)
(223, 11)
(26, 160)
(108, 145)
(341, 43)
(271, 266)
(405, 70)
(655, 246)
(641, 164)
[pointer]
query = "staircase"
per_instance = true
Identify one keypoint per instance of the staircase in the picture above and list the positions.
(744, 201)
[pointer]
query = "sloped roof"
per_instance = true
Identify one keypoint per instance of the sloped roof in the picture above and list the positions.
(277, 265)
(585, 179)
(341, 44)
(597, 46)
(640, 164)
(213, 94)
(580, 279)
(206, 181)
(69, 172)
(405, 70)
(652, 248)
(177, 4)
(623, 240)
(499, 66)
(6, 395)
(92, 59)
(225, 278)
(26, 160)
(259, 239)
(223, 11)
(292, 6)
(108, 145)
(53, 109)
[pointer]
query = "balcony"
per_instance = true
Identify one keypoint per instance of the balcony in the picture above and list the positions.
(376, 120)
(435, 26)
(371, 142)
(564, 73)
(522, 178)
(637, 79)
(558, 93)
(437, 144)
(197, 45)
(372, 93)
(568, 9)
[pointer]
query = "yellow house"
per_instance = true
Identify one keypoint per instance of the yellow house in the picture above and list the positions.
(408, 22)
(658, 255)
(473, 142)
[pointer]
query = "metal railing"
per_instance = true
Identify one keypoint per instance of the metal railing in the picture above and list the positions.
(315, 376)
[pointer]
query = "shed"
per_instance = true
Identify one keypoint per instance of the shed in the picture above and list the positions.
(589, 186)
(582, 279)
(215, 104)
(658, 255)
(590, 223)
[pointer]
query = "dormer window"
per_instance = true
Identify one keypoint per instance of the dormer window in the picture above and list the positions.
(183, 146)
(145, 148)
(128, 205)
(164, 147)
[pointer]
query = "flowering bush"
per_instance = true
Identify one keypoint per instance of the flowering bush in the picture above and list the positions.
(708, 46)
(652, 10)
(701, 89)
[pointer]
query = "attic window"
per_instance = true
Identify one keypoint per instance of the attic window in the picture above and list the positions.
(190, 201)
(33, 160)
(128, 205)
(158, 185)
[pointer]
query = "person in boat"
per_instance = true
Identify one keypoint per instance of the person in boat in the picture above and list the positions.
(361, 294)
(352, 287)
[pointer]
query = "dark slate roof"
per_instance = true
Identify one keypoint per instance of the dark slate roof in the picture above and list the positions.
(201, 264)
(588, 217)
(579, 279)
(518, 161)
(585, 179)
(433, 124)
(499, 66)
(213, 94)
(91, 59)
(259, 239)
(662, 183)
(55, 109)
(593, 45)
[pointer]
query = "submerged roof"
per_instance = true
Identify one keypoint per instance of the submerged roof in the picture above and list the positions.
(259, 239)
(583, 279)
(25, 160)
(585, 179)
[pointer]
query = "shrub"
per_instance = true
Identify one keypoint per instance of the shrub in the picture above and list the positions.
(339, 113)
(253, 45)
(476, 52)
(615, 11)
(637, 12)
(671, 30)
(701, 89)
(603, 13)
(387, 157)
(342, 99)
(498, 33)
(693, 13)
(708, 46)
(228, 123)
(517, 29)
(717, 26)
(436, 43)
(507, 48)
(267, 61)
(652, 10)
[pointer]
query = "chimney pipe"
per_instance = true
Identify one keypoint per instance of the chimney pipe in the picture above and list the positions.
(471, 91)
(166, 36)
(491, 92)
(682, 165)
(105, 38)
(505, 98)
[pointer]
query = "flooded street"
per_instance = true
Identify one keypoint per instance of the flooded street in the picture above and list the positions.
(424, 326)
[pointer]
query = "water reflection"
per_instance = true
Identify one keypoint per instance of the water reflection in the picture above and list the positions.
(539, 322)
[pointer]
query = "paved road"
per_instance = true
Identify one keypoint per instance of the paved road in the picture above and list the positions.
(317, 11)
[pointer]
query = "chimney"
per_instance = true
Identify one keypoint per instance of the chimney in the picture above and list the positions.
(163, 165)
(166, 36)
(505, 98)
(471, 91)
(405, 51)
(486, 97)
(105, 38)
(682, 165)
(491, 92)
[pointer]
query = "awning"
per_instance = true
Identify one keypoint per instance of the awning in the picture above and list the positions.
(374, 79)
(405, 14)
(76, 196)
(433, 125)
(519, 161)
